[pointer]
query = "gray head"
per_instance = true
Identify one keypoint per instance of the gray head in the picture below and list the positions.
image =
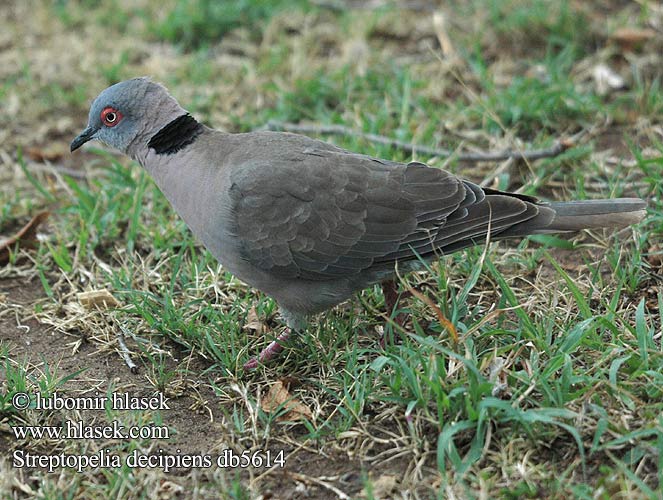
(126, 115)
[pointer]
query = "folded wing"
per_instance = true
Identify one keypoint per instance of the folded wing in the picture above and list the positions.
(331, 214)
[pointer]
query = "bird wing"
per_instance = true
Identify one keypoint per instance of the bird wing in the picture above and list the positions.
(328, 214)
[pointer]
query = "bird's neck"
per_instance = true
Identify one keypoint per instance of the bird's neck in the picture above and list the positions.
(176, 135)
(168, 130)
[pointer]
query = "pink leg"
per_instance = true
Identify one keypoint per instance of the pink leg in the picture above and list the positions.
(269, 352)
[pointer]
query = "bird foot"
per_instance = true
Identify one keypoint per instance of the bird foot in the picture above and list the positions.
(391, 299)
(269, 352)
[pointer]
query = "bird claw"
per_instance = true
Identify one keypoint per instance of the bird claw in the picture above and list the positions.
(268, 353)
(251, 364)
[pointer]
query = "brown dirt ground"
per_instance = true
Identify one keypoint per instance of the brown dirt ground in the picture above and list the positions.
(36, 343)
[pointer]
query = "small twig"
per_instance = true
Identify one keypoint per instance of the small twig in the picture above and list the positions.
(341, 130)
(126, 354)
(313, 480)
(331, 5)
(50, 167)
(598, 185)
(340, 5)
(529, 155)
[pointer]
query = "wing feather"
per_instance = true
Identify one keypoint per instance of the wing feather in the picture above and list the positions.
(330, 214)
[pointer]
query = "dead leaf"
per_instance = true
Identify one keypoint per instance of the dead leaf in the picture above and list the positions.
(254, 323)
(383, 487)
(26, 237)
(101, 299)
(438, 312)
(631, 38)
(655, 257)
(169, 489)
(278, 398)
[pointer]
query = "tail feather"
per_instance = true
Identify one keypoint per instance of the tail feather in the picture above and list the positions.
(591, 214)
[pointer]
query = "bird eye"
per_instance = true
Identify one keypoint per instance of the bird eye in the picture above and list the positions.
(110, 116)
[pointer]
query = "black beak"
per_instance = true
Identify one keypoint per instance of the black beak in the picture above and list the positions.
(82, 138)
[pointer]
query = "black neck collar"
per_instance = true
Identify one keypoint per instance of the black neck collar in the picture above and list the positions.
(178, 134)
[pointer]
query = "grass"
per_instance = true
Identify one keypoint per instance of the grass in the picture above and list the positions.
(554, 388)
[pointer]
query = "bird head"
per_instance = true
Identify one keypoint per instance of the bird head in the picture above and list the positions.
(125, 115)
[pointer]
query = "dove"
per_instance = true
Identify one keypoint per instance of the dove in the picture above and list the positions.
(309, 223)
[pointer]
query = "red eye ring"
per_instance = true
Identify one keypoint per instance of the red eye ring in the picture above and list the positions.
(110, 116)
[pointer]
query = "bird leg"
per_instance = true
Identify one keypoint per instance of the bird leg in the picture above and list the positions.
(391, 298)
(269, 352)
(296, 322)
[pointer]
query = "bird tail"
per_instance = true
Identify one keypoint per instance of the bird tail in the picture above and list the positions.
(591, 214)
(553, 217)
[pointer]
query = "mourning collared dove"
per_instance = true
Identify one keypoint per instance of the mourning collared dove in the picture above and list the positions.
(307, 222)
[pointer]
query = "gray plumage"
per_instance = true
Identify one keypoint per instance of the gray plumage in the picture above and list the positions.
(307, 222)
